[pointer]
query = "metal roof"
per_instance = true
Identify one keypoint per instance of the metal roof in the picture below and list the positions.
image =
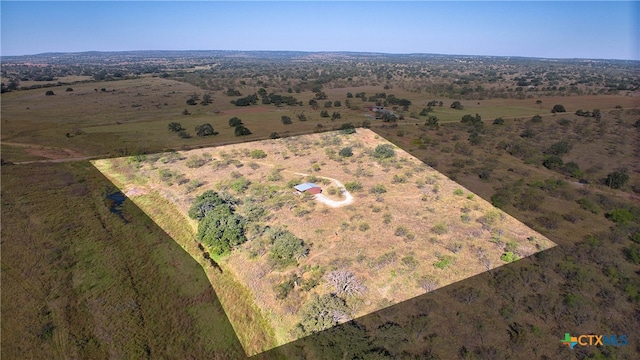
(305, 186)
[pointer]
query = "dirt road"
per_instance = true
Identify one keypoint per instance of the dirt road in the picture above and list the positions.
(330, 202)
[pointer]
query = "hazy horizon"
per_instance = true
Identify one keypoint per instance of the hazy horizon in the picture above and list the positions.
(554, 30)
(312, 52)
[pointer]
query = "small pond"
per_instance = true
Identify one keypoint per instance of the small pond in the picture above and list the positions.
(116, 201)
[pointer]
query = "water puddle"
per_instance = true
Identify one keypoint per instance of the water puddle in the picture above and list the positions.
(116, 203)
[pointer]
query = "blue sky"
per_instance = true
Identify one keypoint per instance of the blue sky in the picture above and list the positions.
(565, 29)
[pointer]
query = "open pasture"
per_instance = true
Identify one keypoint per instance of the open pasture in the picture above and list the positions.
(409, 228)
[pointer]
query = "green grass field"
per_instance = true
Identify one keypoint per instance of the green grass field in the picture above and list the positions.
(70, 267)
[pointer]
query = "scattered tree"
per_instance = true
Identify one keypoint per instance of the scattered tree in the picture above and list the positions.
(205, 130)
(287, 249)
(432, 121)
(192, 100)
(617, 179)
(559, 148)
(235, 121)
(233, 92)
(206, 99)
(321, 313)
(241, 131)
(558, 108)
(175, 127)
(457, 105)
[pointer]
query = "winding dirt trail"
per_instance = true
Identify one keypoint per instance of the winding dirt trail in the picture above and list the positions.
(330, 202)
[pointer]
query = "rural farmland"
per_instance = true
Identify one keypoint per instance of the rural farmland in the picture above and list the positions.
(118, 169)
(408, 230)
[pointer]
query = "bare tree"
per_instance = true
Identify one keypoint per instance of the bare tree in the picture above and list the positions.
(345, 282)
(428, 283)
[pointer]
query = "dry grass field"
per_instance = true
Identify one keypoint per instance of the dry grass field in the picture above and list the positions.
(422, 232)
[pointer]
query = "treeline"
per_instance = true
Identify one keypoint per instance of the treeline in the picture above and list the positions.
(266, 99)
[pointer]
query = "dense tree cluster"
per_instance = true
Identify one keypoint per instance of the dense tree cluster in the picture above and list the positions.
(246, 101)
(594, 114)
(219, 227)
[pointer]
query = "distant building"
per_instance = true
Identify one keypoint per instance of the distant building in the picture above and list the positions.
(379, 111)
(308, 188)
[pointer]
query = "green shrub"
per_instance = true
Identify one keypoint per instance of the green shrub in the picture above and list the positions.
(346, 152)
(621, 216)
(194, 184)
(509, 257)
(283, 289)
(588, 205)
(195, 161)
(384, 151)
(378, 189)
(401, 231)
(258, 154)
(410, 262)
(399, 179)
(559, 148)
(458, 192)
(275, 175)
(240, 185)
(632, 253)
(440, 228)
(444, 261)
(353, 186)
